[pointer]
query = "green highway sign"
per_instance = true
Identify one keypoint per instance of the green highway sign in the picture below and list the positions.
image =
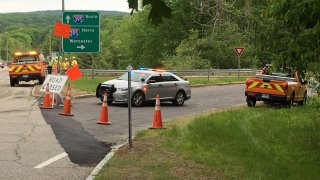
(84, 33)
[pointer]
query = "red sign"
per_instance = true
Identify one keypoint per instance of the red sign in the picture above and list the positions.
(74, 73)
(62, 30)
(239, 50)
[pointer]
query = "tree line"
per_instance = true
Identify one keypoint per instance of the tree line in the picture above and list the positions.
(198, 34)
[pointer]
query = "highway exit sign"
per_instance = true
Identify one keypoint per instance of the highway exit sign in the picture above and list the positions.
(84, 32)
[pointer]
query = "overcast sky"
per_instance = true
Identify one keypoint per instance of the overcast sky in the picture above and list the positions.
(41, 5)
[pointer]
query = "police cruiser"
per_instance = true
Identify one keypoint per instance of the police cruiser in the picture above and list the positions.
(145, 85)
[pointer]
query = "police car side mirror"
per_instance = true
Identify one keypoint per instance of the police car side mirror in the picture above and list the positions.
(142, 80)
(151, 81)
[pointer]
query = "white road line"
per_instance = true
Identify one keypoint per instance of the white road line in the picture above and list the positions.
(56, 158)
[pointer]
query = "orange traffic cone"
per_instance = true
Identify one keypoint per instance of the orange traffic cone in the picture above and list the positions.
(55, 69)
(46, 100)
(157, 118)
(53, 100)
(104, 111)
(67, 104)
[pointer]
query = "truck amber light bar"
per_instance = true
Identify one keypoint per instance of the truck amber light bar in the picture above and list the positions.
(18, 54)
(32, 52)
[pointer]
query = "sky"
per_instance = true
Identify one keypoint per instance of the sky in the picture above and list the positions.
(41, 5)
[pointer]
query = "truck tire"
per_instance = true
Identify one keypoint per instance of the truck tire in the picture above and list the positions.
(41, 80)
(291, 101)
(304, 100)
(12, 82)
(251, 102)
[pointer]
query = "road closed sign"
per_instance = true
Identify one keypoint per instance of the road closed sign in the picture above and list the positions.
(56, 83)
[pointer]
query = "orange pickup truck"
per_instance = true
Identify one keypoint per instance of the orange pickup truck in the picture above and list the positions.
(276, 89)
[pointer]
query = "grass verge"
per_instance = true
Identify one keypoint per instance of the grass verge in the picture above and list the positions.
(215, 80)
(246, 143)
(88, 84)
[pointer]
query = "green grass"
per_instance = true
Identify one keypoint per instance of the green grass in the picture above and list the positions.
(88, 84)
(246, 143)
(213, 80)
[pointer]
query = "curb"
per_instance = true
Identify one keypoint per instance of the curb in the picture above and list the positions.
(96, 170)
(84, 96)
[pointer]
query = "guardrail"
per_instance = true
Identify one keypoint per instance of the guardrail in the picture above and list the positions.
(197, 71)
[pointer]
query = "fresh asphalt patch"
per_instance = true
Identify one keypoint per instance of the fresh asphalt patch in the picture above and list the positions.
(82, 148)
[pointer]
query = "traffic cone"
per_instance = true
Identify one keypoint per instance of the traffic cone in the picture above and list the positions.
(67, 104)
(46, 100)
(157, 118)
(53, 101)
(55, 69)
(104, 111)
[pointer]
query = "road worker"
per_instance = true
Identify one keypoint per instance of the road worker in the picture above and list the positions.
(50, 63)
(55, 65)
(61, 67)
(74, 62)
(265, 70)
(66, 64)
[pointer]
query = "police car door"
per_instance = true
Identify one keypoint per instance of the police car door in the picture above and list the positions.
(170, 84)
(155, 86)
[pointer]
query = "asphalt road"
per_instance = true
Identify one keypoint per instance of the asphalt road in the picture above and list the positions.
(86, 141)
(27, 140)
(30, 136)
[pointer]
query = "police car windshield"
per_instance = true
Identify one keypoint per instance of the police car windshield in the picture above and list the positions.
(19, 59)
(135, 76)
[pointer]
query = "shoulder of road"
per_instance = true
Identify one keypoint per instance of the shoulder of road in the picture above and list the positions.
(76, 93)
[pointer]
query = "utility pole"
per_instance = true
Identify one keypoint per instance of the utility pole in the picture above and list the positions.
(50, 41)
(61, 41)
(7, 48)
(0, 46)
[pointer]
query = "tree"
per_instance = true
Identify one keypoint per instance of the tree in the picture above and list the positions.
(158, 11)
(300, 30)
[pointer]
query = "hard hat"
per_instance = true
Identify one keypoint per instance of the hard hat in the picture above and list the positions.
(73, 57)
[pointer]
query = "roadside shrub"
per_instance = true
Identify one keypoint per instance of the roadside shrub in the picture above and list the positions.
(314, 101)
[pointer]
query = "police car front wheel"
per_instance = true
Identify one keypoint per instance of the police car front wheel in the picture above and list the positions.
(179, 99)
(138, 99)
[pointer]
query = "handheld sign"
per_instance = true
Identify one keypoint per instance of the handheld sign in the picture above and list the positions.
(56, 83)
(62, 30)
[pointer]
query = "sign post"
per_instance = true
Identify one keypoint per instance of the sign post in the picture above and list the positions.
(84, 33)
(239, 51)
(129, 68)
